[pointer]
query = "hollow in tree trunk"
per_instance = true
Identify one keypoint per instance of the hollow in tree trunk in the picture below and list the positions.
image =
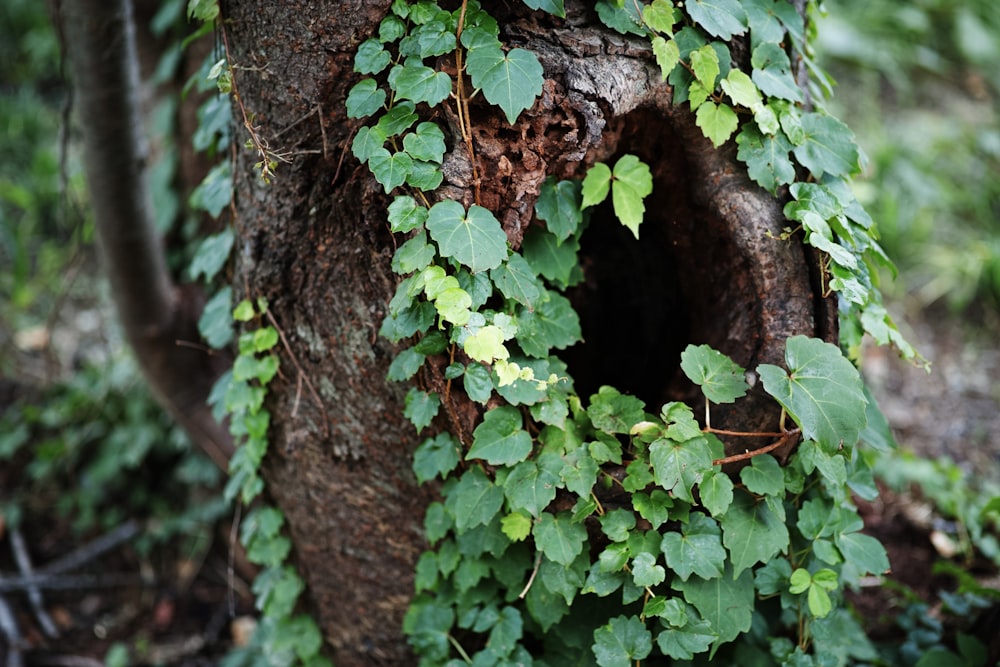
(710, 268)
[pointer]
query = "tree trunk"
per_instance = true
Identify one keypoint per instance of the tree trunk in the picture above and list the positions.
(315, 242)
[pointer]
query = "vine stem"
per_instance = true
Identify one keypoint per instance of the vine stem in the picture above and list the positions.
(783, 440)
(531, 579)
(462, 102)
(458, 647)
(301, 373)
(259, 144)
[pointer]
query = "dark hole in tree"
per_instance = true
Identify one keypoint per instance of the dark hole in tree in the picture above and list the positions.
(632, 309)
(642, 302)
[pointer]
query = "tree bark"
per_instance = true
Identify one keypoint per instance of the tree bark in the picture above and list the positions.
(710, 269)
(100, 44)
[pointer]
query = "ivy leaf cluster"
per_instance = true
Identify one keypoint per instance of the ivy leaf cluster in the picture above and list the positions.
(784, 144)
(596, 526)
(404, 67)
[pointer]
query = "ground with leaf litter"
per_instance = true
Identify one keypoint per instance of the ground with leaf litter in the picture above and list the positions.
(176, 605)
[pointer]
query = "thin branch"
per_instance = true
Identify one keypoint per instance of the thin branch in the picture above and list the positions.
(92, 549)
(66, 582)
(23, 558)
(783, 440)
(531, 579)
(302, 373)
(11, 635)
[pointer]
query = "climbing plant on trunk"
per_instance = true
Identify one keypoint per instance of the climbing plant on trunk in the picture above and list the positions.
(556, 288)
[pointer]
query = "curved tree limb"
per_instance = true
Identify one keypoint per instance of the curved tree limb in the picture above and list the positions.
(155, 315)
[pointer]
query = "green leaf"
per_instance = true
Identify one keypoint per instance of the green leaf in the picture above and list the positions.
(215, 192)
(717, 121)
(726, 602)
(390, 29)
(364, 99)
(505, 634)
(277, 590)
(453, 305)
(433, 38)
(367, 142)
(863, 551)
(211, 256)
(720, 378)
(397, 119)
(517, 280)
(766, 157)
(530, 487)
(474, 238)
(621, 641)
(752, 532)
(553, 323)
(436, 457)
(512, 81)
(516, 526)
(421, 84)
(596, 185)
(405, 215)
(390, 169)
(554, 7)
(622, 17)
(613, 412)
(678, 466)
(822, 391)
(558, 206)
(428, 624)
(764, 476)
(741, 89)
(475, 500)
(660, 16)
(772, 72)
(655, 507)
(486, 345)
(421, 408)
(828, 148)
(684, 642)
(405, 365)
(478, 383)
(579, 473)
(413, 255)
(617, 523)
(667, 55)
(371, 57)
(426, 143)
(500, 438)
(646, 572)
(633, 182)
(696, 550)
(216, 322)
(720, 18)
(560, 539)
(425, 176)
(297, 634)
(638, 475)
(716, 492)
(551, 259)
(705, 63)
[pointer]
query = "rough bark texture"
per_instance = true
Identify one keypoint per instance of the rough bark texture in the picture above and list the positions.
(316, 244)
(100, 44)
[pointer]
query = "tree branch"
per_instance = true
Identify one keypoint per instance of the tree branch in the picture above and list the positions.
(100, 44)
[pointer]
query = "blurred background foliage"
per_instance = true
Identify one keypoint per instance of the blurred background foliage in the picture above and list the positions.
(918, 82)
(80, 432)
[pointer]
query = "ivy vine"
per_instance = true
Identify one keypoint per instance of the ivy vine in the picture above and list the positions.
(583, 530)
(571, 528)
